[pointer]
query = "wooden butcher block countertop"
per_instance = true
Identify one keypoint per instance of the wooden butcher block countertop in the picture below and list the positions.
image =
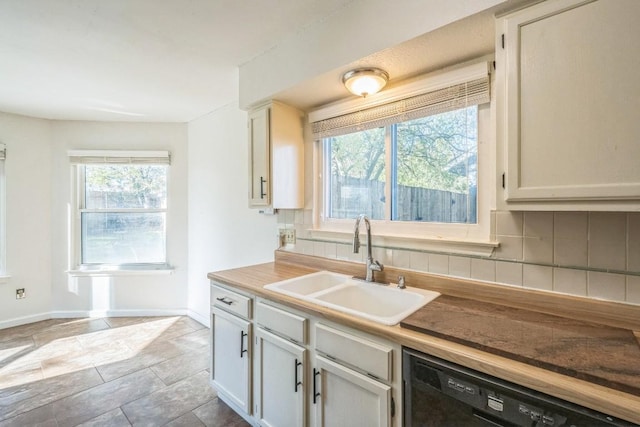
(589, 356)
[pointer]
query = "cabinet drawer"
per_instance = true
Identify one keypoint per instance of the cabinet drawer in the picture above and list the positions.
(282, 322)
(231, 301)
(361, 353)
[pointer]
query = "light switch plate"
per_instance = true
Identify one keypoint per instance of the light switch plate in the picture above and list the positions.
(288, 235)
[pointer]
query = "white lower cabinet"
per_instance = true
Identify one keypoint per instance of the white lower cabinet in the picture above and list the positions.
(354, 376)
(231, 365)
(231, 348)
(344, 397)
(279, 386)
(297, 370)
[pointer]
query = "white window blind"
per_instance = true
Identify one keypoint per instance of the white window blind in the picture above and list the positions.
(459, 95)
(3, 151)
(85, 157)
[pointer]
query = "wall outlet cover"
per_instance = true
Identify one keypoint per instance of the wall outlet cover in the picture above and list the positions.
(288, 235)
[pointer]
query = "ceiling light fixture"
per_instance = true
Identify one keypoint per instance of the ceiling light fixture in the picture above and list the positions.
(365, 81)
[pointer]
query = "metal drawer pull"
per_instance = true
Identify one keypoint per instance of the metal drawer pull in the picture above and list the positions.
(224, 300)
(242, 349)
(315, 393)
(295, 380)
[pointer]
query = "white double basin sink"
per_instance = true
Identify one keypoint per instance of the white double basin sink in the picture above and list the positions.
(385, 304)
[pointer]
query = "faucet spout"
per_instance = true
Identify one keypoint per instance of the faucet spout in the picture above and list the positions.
(372, 265)
(356, 235)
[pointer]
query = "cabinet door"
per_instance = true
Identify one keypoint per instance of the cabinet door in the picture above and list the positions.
(343, 397)
(572, 99)
(287, 157)
(259, 158)
(231, 348)
(279, 387)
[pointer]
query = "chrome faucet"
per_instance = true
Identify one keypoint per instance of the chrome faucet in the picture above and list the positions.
(372, 264)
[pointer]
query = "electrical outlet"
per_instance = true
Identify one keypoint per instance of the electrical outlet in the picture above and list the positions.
(20, 293)
(287, 235)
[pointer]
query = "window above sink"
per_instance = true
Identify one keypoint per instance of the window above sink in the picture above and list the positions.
(416, 159)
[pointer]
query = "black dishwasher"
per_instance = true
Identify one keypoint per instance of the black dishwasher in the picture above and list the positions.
(439, 393)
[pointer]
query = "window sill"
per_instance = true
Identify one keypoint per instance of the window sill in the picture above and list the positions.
(4, 279)
(473, 247)
(110, 271)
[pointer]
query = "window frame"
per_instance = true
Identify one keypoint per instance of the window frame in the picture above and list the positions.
(470, 239)
(77, 267)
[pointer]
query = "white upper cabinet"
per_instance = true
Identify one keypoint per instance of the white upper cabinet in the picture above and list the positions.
(569, 105)
(259, 159)
(276, 157)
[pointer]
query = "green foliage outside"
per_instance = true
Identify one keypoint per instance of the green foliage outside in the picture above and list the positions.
(437, 152)
(125, 186)
(359, 155)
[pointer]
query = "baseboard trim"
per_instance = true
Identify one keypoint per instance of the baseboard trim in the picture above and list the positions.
(18, 321)
(204, 320)
(117, 313)
(77, 314)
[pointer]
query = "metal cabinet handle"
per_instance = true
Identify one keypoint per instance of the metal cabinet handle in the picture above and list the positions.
(242, 349)
(295, 376)
(262, 183)
(315, 385)
(224, 300)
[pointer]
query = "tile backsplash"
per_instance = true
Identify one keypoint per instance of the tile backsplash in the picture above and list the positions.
(592, 254)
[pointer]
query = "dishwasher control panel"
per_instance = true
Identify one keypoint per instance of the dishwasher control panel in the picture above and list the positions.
(495, 403)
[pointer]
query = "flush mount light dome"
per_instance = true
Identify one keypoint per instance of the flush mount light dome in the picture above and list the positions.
(365, 81)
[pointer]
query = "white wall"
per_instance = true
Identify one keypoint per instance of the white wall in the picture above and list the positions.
(129, 294)
(28, 213)
(223, 232)
(210, 226)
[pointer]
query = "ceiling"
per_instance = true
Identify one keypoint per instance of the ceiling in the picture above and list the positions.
(176, 60)
(142, 60)
(460, 41)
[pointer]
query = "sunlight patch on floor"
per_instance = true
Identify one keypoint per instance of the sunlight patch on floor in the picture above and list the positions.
(79, 344)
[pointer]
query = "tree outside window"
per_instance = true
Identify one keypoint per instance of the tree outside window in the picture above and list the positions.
(432, 171)
(123, 214)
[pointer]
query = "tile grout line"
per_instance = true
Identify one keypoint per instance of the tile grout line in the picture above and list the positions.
(125, 414)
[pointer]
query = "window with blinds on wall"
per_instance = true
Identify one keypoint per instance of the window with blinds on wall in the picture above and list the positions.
(122, 207)
(414, 159)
